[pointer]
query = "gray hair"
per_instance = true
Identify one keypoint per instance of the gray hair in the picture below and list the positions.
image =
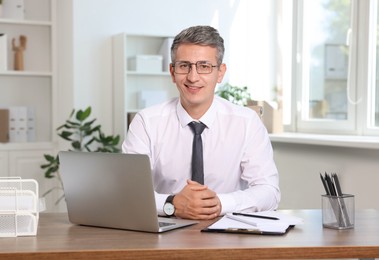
(200, 35)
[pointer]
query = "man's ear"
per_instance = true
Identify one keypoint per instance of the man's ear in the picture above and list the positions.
(172, 73)
(221, 72)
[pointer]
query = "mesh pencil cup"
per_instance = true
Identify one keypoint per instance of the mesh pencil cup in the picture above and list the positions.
(338, 212)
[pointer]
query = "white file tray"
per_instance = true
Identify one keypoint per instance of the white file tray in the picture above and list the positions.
(18, 207)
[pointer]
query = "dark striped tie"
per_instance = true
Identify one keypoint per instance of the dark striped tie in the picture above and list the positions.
(197, 152)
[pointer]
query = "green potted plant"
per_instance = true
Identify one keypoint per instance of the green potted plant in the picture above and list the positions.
(84, 136)
(239, 96)
(235, 94)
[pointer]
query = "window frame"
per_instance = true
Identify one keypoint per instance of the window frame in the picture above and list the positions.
(361, 75)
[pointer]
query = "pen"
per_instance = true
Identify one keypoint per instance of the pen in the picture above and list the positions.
(254, 216)
(330, 185)
(324, 183)
(337, 185)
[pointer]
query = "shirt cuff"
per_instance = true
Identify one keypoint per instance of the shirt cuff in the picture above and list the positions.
(228, 203)
(160, 200)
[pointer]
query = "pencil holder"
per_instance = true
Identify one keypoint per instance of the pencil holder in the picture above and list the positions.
(338, 211)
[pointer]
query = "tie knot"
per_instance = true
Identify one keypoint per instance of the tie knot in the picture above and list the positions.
(197, 127)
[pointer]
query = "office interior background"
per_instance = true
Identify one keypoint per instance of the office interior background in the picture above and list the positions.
(272, 48)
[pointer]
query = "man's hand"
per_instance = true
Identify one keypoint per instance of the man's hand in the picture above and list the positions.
(196, 201)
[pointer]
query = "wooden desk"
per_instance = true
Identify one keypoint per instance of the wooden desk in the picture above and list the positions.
(58, 239)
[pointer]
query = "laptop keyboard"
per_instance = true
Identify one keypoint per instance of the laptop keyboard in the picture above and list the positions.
(165, 224)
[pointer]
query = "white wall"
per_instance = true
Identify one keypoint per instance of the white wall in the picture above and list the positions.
(300, 166)
(85, 29)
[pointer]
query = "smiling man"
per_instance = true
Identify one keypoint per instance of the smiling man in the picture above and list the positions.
(228, 165)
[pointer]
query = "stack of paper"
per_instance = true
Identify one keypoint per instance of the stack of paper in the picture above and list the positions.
(266, 222)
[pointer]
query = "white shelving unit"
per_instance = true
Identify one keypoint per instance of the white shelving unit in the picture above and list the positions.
(128, 83)
(34, 87)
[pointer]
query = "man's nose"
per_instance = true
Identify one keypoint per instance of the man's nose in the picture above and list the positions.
(193, 75)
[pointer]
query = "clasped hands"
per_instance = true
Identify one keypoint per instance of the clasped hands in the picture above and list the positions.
(196, 201)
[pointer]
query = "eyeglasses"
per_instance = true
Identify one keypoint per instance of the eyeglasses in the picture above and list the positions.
(184, 67)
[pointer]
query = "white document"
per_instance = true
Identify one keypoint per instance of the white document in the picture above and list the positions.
(18, 200)
(245, 224)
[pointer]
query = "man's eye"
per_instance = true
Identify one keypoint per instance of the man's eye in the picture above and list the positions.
(183, 66)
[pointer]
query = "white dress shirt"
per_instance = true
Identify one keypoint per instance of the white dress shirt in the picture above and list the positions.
(238, 156)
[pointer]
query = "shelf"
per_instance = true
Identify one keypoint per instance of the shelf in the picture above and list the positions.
(26, 73)
(129, 83)
(25, 22)
(26, 146)
(136, 73)
(34, 86)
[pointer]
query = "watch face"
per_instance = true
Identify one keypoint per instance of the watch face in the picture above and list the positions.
(169, 209)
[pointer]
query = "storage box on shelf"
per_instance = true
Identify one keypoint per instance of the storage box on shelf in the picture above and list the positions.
(146, 63)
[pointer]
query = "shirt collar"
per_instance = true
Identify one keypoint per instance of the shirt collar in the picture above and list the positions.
(208, 118)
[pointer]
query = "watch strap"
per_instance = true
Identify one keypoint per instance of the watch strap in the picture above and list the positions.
(170, 199)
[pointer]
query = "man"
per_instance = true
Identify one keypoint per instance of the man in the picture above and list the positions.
(239, 173)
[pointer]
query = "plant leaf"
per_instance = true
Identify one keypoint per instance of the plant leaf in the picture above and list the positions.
(83, 115)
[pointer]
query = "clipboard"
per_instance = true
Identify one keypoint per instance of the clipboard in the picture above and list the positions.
(250, 224)
(246, 231)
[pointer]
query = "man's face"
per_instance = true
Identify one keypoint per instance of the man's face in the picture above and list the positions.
(197, 90)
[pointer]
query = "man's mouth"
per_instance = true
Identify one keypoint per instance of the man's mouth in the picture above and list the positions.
(193, 87)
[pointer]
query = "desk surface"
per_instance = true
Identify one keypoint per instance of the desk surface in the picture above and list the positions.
(59, 239)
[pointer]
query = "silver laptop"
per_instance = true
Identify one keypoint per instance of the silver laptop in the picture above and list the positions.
(112, 190)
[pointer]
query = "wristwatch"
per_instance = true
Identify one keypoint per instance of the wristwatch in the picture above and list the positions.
(169, 208)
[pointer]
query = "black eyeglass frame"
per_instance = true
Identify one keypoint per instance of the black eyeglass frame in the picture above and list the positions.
(196, 65)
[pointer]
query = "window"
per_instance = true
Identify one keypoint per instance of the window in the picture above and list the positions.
(375, 116)
(335, 77)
